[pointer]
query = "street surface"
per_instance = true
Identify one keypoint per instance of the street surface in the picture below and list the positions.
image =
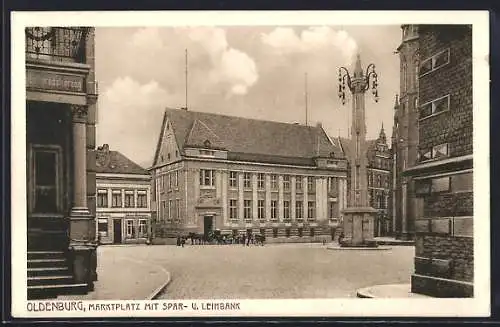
(272, 271)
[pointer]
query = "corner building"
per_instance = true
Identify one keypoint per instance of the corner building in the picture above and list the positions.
(444, 259)
(123, 204)
(61, 109)
(211, 171)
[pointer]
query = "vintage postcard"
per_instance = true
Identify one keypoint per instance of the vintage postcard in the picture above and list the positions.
(186, 164)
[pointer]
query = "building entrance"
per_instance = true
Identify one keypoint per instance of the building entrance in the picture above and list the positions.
(208, 224)
(48, 132)
(117, 231)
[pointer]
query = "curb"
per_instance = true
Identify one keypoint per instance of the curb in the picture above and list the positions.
(157, 292)
(338, 248)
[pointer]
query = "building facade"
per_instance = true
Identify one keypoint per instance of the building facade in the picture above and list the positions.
(443, 175)
(405, 135)
(237, 175)
(123, 199)
(61, 106)
(379, 172)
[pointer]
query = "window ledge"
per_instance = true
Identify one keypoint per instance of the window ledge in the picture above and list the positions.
(433, 115)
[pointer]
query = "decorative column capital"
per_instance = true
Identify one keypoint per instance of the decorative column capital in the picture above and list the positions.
(79, 113)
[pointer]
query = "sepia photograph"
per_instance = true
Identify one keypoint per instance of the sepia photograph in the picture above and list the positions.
(250, 164)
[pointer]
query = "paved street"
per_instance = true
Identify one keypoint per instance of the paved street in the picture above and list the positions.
(272, 271)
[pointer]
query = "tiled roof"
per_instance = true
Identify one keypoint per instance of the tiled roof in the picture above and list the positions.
(246, 139)
(114, 162)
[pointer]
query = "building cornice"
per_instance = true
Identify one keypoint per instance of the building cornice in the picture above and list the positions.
(449, 164)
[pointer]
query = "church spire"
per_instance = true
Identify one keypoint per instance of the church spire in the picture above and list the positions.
(396, 101)
(382, 137)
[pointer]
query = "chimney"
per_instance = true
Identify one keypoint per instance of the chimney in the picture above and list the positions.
(319, 125)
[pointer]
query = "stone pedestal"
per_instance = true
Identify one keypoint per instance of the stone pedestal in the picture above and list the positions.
(359, 225)
(83, 258)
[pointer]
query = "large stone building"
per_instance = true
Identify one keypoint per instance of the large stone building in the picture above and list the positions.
(443, 174)
(379, 170)
(237, 175)
(405, 135)
(123, 199)
(61, 97)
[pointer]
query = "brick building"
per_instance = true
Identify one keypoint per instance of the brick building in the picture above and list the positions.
(443, 174)
(405, 135)
(237, 175)
(61, 105)
(379, 172)
(123, 199)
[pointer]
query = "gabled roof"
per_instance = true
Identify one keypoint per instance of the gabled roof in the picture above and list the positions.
(349, 150)
(115, 162)
(251, 139)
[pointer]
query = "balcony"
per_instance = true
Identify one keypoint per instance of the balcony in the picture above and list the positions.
(61, 44)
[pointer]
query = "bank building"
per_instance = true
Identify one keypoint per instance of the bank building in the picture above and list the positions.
(61, 97)
(236, 175)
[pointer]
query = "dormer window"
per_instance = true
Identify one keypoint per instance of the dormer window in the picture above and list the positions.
(332, 154)
(207, 143)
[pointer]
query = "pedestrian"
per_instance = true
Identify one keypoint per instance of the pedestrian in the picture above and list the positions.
(183, 241)
(178, 240)
(341, 237)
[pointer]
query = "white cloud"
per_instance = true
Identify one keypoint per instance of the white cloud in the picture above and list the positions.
(228, 68)
(317, 38)
(130, 114)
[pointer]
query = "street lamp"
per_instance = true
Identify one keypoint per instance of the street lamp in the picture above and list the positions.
(359, 212)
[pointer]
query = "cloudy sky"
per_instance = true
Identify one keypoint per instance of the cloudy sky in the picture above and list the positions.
(254, 72)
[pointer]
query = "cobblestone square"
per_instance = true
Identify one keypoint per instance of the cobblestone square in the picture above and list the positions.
(272, 271)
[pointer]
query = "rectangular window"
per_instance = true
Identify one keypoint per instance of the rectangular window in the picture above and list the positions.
(333, 209)
(261, 209)
(207, 177)
(233, 209)
(436, 152)
(129, 199)
(286, 183)
(247, 182)
(169, 178)
(102, 227)
(233, 179)
(143, 228)
(286, 209)
(274, 209)
(130, 228)
(161, 184)
(46, 180)
(142, 199)
(332, 185)
(274, 182)
(462, 183)
(311, 210)
(102, 198)
(299, 209)
(176, 178)
(298, 183)
(178, 209)
(435, 107)
(116, 199)
(170, 209)
(163, 209)
(310, 184)
(440, 185)
(260, 181)
(436, 61)
(247, 209)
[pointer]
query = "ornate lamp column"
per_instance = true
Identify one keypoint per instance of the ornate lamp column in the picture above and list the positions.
(358, 216)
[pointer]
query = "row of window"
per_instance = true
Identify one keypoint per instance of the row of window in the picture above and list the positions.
(446, 184)
(169, 181)
(300, 232)
(375, 180)
(171, 209)
(333, 209)
(122, 198)
(131, 229)
(207, 178)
